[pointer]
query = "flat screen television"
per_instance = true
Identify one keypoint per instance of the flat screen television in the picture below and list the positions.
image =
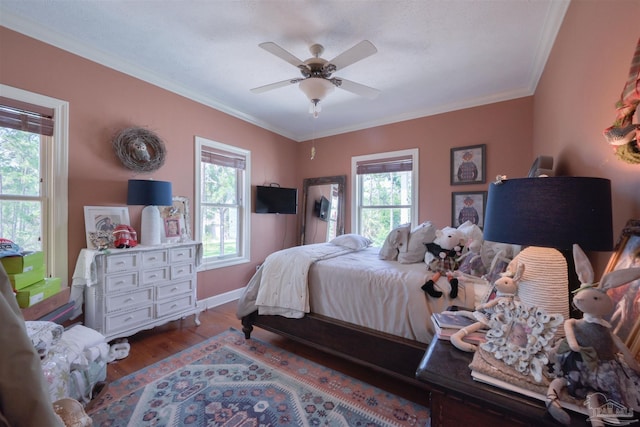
(278, 200)
(321, 208)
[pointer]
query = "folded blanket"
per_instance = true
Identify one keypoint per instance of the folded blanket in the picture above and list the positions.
(283, 286)
(44, 335)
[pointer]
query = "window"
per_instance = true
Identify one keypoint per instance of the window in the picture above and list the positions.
(385, 192)
(34, 174)
(223, 203)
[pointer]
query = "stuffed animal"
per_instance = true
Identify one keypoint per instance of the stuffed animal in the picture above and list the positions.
(592, 360)
(507, 289)
(441, 257)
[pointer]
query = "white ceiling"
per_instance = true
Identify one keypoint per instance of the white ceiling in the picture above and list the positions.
(433, 56)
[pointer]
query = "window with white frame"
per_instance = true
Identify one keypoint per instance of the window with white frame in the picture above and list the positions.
(385, 192)
(34, 175)
(223, 203)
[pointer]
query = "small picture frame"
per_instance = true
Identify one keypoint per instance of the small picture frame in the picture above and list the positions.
(100, 222)
(625, 317)
(468, 165)
(176, 221)
(468, 205)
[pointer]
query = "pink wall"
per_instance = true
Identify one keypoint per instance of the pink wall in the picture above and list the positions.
(102, 101)
(505, 128)
(575, 100)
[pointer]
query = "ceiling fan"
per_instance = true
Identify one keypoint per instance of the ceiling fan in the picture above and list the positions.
(317, 81)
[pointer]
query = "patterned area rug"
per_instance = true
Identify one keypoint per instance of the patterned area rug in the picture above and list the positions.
(230, 381)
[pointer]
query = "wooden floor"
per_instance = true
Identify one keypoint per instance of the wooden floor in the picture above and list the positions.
(148, 347)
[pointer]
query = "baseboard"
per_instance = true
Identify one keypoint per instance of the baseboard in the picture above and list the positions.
(217, 300)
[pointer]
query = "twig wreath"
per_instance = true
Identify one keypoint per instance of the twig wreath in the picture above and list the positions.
(139, 149)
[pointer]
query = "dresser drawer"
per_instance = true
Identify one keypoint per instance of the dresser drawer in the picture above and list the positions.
(121, 282)
(182, 270)
(183, 254)
(121, 262)
(154, 258)
(128, 300)
(174, 288)
(173, 305)
(128, 320)
(154, 275)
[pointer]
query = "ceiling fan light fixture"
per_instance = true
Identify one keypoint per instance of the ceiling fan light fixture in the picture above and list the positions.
(316, 88)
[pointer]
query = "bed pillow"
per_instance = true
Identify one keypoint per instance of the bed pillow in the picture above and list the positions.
(417, 246)
(396, 241)
(352, 241)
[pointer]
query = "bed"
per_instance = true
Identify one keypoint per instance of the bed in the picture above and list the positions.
(346, 300)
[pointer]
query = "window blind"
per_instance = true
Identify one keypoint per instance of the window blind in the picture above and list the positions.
(26, 117)
(223, 158)
(396, 164)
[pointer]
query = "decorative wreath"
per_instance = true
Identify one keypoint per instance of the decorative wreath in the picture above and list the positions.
(139, 149)
(521, 336)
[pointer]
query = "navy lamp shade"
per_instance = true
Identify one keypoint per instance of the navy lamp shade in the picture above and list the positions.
(150, 194)
(553, 212)
(546, 216)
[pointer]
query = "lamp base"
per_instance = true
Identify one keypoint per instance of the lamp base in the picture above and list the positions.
(151, 226)
(545, 281)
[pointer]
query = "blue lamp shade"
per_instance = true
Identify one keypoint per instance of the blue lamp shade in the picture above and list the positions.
(148, 192)
(552, 212)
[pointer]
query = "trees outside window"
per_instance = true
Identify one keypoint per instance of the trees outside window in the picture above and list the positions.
(222, 203)
(385, 193)
(34, 175)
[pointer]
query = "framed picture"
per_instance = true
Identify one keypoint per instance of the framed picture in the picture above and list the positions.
(469, 205)
(176, 220)
(99, 223)
(625, 318)
(468, 165)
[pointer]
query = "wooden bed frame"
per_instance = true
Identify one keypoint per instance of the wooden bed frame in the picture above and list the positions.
(392, 355)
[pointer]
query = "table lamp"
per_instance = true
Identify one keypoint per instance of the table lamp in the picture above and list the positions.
(151, 194)
(546, 216)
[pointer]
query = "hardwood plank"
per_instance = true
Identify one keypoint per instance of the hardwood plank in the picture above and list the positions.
(153, 345)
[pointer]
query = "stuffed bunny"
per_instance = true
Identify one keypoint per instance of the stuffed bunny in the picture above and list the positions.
(507, 288)
(591, 358)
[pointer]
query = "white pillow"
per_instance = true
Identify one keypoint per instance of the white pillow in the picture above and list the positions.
(396, 241)
(417, 247)
(351, 241)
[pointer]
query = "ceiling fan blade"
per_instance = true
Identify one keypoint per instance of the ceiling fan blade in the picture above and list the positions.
(276, 85)
(358, 89)
(273, 48)
(358, 52)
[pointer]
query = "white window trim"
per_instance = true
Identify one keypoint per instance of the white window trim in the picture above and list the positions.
(245, 237)
(56, 169)
(413, 152)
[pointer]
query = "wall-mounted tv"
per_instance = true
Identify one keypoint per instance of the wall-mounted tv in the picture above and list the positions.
(277, 200)
(321, 208)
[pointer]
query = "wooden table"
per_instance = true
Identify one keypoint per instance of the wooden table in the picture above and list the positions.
(458, 400)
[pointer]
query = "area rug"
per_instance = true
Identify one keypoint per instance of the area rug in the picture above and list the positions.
(230, 381)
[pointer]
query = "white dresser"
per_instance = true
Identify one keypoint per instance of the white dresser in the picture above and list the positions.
(141, 288)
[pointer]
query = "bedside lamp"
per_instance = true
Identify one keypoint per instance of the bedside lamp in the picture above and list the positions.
(548, 215)
(151, 194)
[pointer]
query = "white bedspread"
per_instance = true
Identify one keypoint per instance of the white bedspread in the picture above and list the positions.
(352, 286)
(283, 287)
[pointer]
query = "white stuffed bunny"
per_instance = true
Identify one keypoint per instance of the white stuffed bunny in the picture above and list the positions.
(507, 288)
(594, 361)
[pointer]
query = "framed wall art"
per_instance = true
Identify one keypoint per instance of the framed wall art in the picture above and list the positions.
(468, 206)
(468, 165)
(99, 223)
(176, 220)
(625, 318)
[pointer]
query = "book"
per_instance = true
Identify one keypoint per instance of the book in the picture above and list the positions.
(451, 321)
(476, 337)
(488, 379)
